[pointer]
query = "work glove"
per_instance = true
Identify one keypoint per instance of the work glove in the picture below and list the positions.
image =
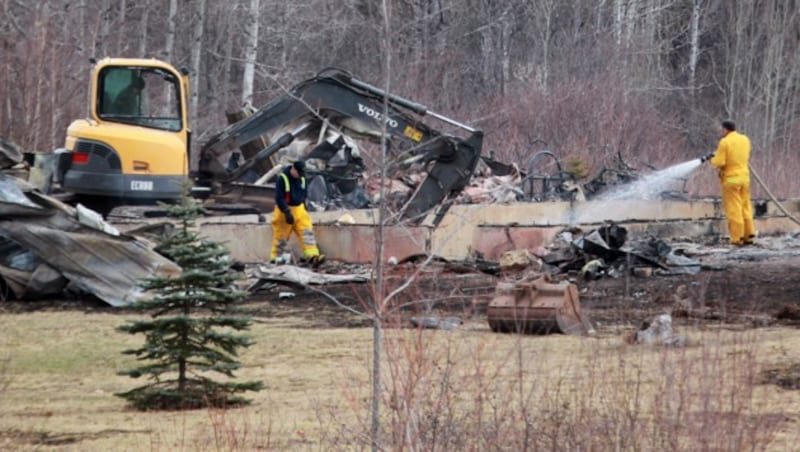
(289, 217)
(706, 157)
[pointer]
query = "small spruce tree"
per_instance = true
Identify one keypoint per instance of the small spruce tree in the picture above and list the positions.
(192, 332)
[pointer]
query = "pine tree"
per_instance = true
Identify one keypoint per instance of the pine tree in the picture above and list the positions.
(192, 332)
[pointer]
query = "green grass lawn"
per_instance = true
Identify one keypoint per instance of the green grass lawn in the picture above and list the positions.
(58, 377)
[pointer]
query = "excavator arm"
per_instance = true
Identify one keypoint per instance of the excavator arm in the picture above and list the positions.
(336, 100)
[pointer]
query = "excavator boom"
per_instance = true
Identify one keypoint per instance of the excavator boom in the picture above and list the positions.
(336, 101)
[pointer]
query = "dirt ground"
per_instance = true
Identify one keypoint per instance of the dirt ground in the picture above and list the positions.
(754, 286)
(750, 291)
(751, 287)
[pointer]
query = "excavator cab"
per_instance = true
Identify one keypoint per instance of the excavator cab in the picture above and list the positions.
(134, 144)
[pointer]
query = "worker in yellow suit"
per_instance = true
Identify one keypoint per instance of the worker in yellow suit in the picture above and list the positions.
(290, 215)
(732, 158)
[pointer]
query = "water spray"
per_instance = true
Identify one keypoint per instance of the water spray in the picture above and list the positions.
(649, 187)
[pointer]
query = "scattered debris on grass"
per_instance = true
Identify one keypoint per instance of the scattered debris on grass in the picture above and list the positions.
(435, 322)
(536, 305)
(789, 313)
(657, 332)
(786, 377)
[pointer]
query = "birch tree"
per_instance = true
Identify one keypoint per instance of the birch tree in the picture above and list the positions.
(694, 43)
(251, 52)
(196, 57)
(169, 44)
(36, 101)
(104, 29)
(144, 21)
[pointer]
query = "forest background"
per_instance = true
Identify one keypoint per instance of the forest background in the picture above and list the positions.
(648, 80)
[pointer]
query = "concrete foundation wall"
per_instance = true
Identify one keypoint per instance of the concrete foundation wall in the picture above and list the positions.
(488, 230)
(354, 243)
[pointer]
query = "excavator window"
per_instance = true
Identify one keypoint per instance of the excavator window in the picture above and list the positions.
(142, 96)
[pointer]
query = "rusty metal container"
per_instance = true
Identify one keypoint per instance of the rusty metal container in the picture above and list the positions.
(537, 307)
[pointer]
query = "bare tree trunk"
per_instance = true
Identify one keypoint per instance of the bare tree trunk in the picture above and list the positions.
(632, 15)
(419, 51)
(506, 25)
(83, 26)
(172, 18)
(196, 57)
(105, 28)
(739, 65)
(251, 53)
(619, 20)
(55, 89)
(5, 89)
(772, 65)
(122, 40)
(5, 95)
(791, 108)
(286, 13)
(143, 34)
(378, 296)
(227, 63)
(543, 12)
(694, 44)
(33, 121)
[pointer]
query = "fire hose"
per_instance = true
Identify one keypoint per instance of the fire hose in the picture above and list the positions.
(772, 197)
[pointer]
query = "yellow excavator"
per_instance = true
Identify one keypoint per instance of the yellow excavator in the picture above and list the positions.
(134, 145)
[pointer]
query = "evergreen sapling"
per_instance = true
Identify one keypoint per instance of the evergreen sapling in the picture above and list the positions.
(193, 329)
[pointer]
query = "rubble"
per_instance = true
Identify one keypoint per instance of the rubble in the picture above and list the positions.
(519, 259)
(435, 322)
(790, 313)
(320, 120)
(10, 154)
(302, 276)
(495, 182)
(48, 246)
(605, 252)
(658, 332)
(492, 190)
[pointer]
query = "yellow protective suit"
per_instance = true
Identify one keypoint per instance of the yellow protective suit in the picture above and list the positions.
(732, 158)
(282, 231)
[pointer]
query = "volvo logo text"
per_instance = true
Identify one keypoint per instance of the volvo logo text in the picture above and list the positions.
(377, 115)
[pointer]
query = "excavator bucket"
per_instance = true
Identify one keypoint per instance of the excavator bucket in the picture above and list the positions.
(537, 307)
(455, 161)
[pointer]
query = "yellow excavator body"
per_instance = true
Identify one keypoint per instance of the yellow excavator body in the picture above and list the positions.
(134, 144)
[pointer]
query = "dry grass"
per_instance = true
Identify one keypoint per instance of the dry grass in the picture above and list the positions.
(467, 389)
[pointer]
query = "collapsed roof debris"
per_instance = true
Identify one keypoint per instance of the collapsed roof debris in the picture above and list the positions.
(603, 252)
(302, 276)
(543, 179)
(10, 154)
(46, 246)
